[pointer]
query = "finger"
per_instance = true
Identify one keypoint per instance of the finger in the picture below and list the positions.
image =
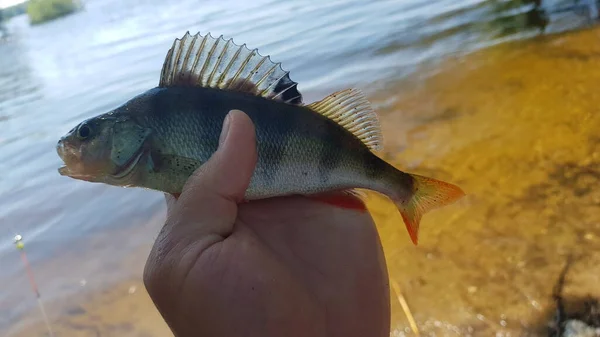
(205, 211)
(214, 189)
(207, 205)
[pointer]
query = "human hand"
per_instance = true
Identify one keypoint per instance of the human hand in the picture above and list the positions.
(290, 266)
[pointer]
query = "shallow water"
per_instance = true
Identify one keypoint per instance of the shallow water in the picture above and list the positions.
(524, 145)
(54, 75)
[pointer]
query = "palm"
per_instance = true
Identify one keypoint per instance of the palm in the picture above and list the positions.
(289, 263)
(276, 267)
(329, 255)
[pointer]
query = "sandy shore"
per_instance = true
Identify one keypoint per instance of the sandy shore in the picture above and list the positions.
(516, 127)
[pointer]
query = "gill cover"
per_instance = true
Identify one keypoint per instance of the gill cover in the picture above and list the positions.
(128, 145)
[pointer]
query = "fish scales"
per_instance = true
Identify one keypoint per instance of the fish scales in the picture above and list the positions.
(298, 150)
(157, 139)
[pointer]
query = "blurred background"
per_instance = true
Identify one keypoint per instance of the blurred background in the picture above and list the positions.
(499, 97)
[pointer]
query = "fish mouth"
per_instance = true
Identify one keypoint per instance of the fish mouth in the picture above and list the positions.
(63, 170)
(69, 157)
(60, 149)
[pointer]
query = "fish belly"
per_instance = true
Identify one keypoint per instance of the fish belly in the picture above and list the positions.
(302, 166)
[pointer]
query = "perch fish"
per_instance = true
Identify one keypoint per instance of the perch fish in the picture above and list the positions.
(157, 139)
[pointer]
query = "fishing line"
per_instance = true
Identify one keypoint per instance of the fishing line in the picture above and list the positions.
(18, 241)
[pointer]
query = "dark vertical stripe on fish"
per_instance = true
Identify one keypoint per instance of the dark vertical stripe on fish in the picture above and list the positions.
(274, 149)
(372, 165)
(331, 155)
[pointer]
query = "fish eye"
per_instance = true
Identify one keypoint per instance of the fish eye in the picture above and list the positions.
(84, 131)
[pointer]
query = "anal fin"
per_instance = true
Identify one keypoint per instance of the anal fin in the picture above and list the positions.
(347, 199)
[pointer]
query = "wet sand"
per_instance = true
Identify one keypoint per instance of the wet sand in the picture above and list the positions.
(516, 127)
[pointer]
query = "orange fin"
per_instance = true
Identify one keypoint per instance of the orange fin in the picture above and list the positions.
(428, 194)
(349, 199)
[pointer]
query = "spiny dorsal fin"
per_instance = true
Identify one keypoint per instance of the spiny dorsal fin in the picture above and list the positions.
(217, 63)
(350, 109)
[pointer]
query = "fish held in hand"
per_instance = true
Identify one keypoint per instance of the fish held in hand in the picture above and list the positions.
(159, 138)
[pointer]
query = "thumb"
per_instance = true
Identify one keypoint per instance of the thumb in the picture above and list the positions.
(207, 207)
(204, 214)
(211, 194)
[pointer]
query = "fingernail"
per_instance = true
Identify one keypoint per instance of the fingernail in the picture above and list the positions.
(225, 129)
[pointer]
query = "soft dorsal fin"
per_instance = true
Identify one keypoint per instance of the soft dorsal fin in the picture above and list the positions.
(350, 109)
(206, 61)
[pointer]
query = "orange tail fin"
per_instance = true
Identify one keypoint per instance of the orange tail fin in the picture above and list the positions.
(428, 194)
